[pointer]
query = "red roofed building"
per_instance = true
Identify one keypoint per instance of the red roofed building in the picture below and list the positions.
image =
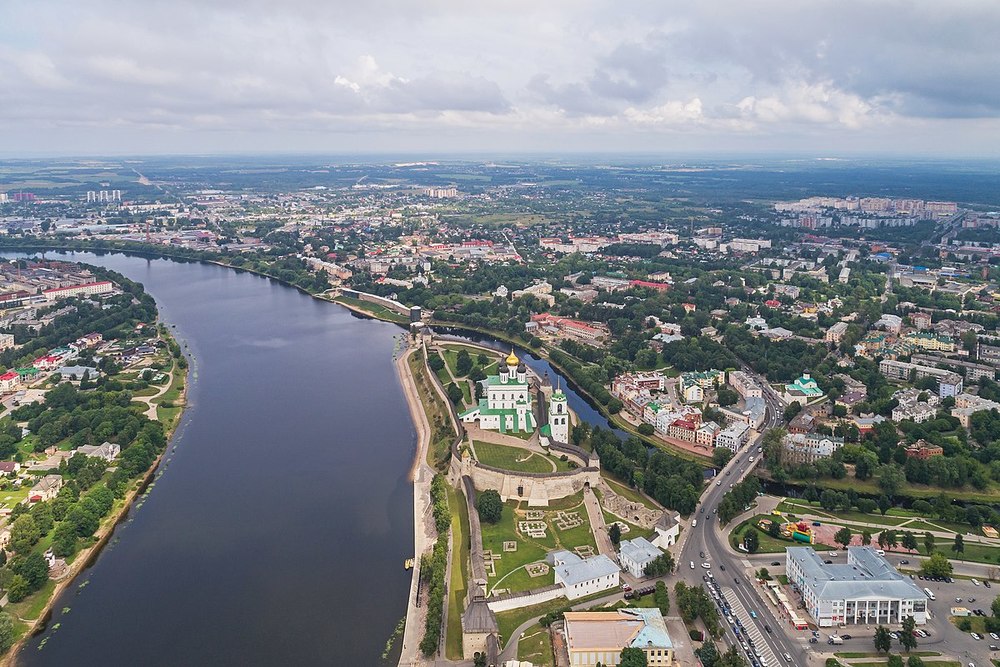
(663, 287)
(9, 381)
(689, 307)
(46, 363)
(772, 303)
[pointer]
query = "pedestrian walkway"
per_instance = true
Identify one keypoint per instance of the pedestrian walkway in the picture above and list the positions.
(749, 627)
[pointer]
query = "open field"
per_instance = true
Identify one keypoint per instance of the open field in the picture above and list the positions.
(517, 459)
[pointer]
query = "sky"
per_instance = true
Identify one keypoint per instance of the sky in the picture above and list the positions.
(829, 77)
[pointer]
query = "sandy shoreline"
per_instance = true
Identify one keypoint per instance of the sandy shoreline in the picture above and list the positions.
(423, 535)
(88, 556)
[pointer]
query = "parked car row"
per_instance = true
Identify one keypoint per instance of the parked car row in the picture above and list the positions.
(753, 652)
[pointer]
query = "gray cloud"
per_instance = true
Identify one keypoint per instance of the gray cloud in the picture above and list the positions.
(865, 73)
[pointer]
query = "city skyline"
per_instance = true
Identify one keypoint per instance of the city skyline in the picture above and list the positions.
(224, 77)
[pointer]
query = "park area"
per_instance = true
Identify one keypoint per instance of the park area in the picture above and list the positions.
(515, 547)
(517, 459)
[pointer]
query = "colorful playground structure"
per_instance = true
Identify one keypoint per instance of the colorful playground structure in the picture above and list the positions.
(790, 530)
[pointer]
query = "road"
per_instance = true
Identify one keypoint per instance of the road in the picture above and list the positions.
(732, 571)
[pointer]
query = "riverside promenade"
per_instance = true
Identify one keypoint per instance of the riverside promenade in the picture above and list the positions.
(424, 533)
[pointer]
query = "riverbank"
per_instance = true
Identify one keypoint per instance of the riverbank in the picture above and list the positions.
(88, 555)
(424, 533)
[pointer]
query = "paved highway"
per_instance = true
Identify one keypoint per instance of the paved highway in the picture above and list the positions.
(732, 571)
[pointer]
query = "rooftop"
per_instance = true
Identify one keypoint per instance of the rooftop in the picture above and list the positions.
(615, 630)
(865, 575)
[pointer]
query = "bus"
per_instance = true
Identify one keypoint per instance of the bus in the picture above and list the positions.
(929, 593)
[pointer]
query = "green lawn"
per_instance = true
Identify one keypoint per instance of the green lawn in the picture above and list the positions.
(768, 544)
(510, 572)
(377, 310)
(510, 621)
(515, 458)
(459, 572)
(536, 647)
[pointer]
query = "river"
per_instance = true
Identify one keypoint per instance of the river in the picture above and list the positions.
(278, 529)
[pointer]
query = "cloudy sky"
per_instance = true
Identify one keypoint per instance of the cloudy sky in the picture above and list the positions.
(206, 76)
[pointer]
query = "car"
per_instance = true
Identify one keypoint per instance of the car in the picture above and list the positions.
(722, 567)
(972, 599)
(702, 510)
(812, 640)
(846, 637)
(767, 629)
(730, 486)
(894, 635)
(715, 510)
(626, 588)
(958, 599)
(751, 459)
(921, 577)
(975, 582)
(976, 636)
(728, 473)
(817, 523)
(788, 657)
(692, 565)
(718, 483)
(736, 580)
(701, 554)
(995, 637)
(775, 563)
(828, 562)
(987, 584)
(706, 565)
(880, 552)
(904, 562)
(760, 449)
(832, 554)
(948, 579)
(753, 614)
(994, 647)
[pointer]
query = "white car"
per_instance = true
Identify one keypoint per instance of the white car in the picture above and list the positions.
(706, 565)
(751, 459)
(832, 554)
(995, 636)
(692, 565)
(975, 582)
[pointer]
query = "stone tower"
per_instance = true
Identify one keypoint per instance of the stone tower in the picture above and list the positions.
(559, 416)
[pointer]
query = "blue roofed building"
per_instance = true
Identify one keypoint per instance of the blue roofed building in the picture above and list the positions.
(583, 576)
(635, 555)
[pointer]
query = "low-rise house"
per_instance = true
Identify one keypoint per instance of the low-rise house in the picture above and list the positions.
(9, 381)
(810, 447)
(923, 450)
(581, 577)
(108, 451)
(45, 489)
(803, 390)
(9, 468)
(634, 555)
(867, 422)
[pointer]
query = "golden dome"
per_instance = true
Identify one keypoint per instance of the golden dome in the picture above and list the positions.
(512, 360)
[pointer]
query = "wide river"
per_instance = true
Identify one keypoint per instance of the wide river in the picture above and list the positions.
(277, 532)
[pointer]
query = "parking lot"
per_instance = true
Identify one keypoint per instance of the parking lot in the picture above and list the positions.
(944, 636)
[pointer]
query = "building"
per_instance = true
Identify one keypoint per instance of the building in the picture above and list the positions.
(600, 636)
(46, 488)
(810, 447)
(967, 405)
(559, 416)
(949, 382)
(835, 334)
(480, 630)
(6, 341)
(108, 451)
(891, 323)
(923, 450)
(83, 289)
(921, 320)
(733, 436)
(582, 577)
(745, 385)
(634, 555)
(9, 381)
(973, 371)
(930, 341)
(668, 529)
(802, 390)
(866, 590)
(507, 406)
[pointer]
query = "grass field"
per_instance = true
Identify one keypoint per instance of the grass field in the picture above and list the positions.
(510, 572)
(517, 459)
(768, 544)
(536, 647)
(374, 309)
(459, 572)
(436, 412)
(629, 492)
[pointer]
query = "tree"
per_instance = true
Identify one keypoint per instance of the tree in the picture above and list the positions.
(866, 537)
(708, 653)
(615, 533)
(909, 541)
(490, 506)
(732, 658)
(24, 533)
(937, 565)
(908, 637)
(890, 479)
(995, 606)
(463, 363)
(929, 542)
(884, 504)
(454, 392)
(661, 565)
(883, 642)
(774, 529)
(721, 456)
(751, 541)
(894, 661)
(7, 632)
(661, 596)
(18, 588)
(958, 546)
(64, 540)
(843, 537)
(646, 429)
(33, 568)
(632, 657)
(914, 661)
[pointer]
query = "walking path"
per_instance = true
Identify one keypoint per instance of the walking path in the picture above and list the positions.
(424, 534)
(597, 525)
